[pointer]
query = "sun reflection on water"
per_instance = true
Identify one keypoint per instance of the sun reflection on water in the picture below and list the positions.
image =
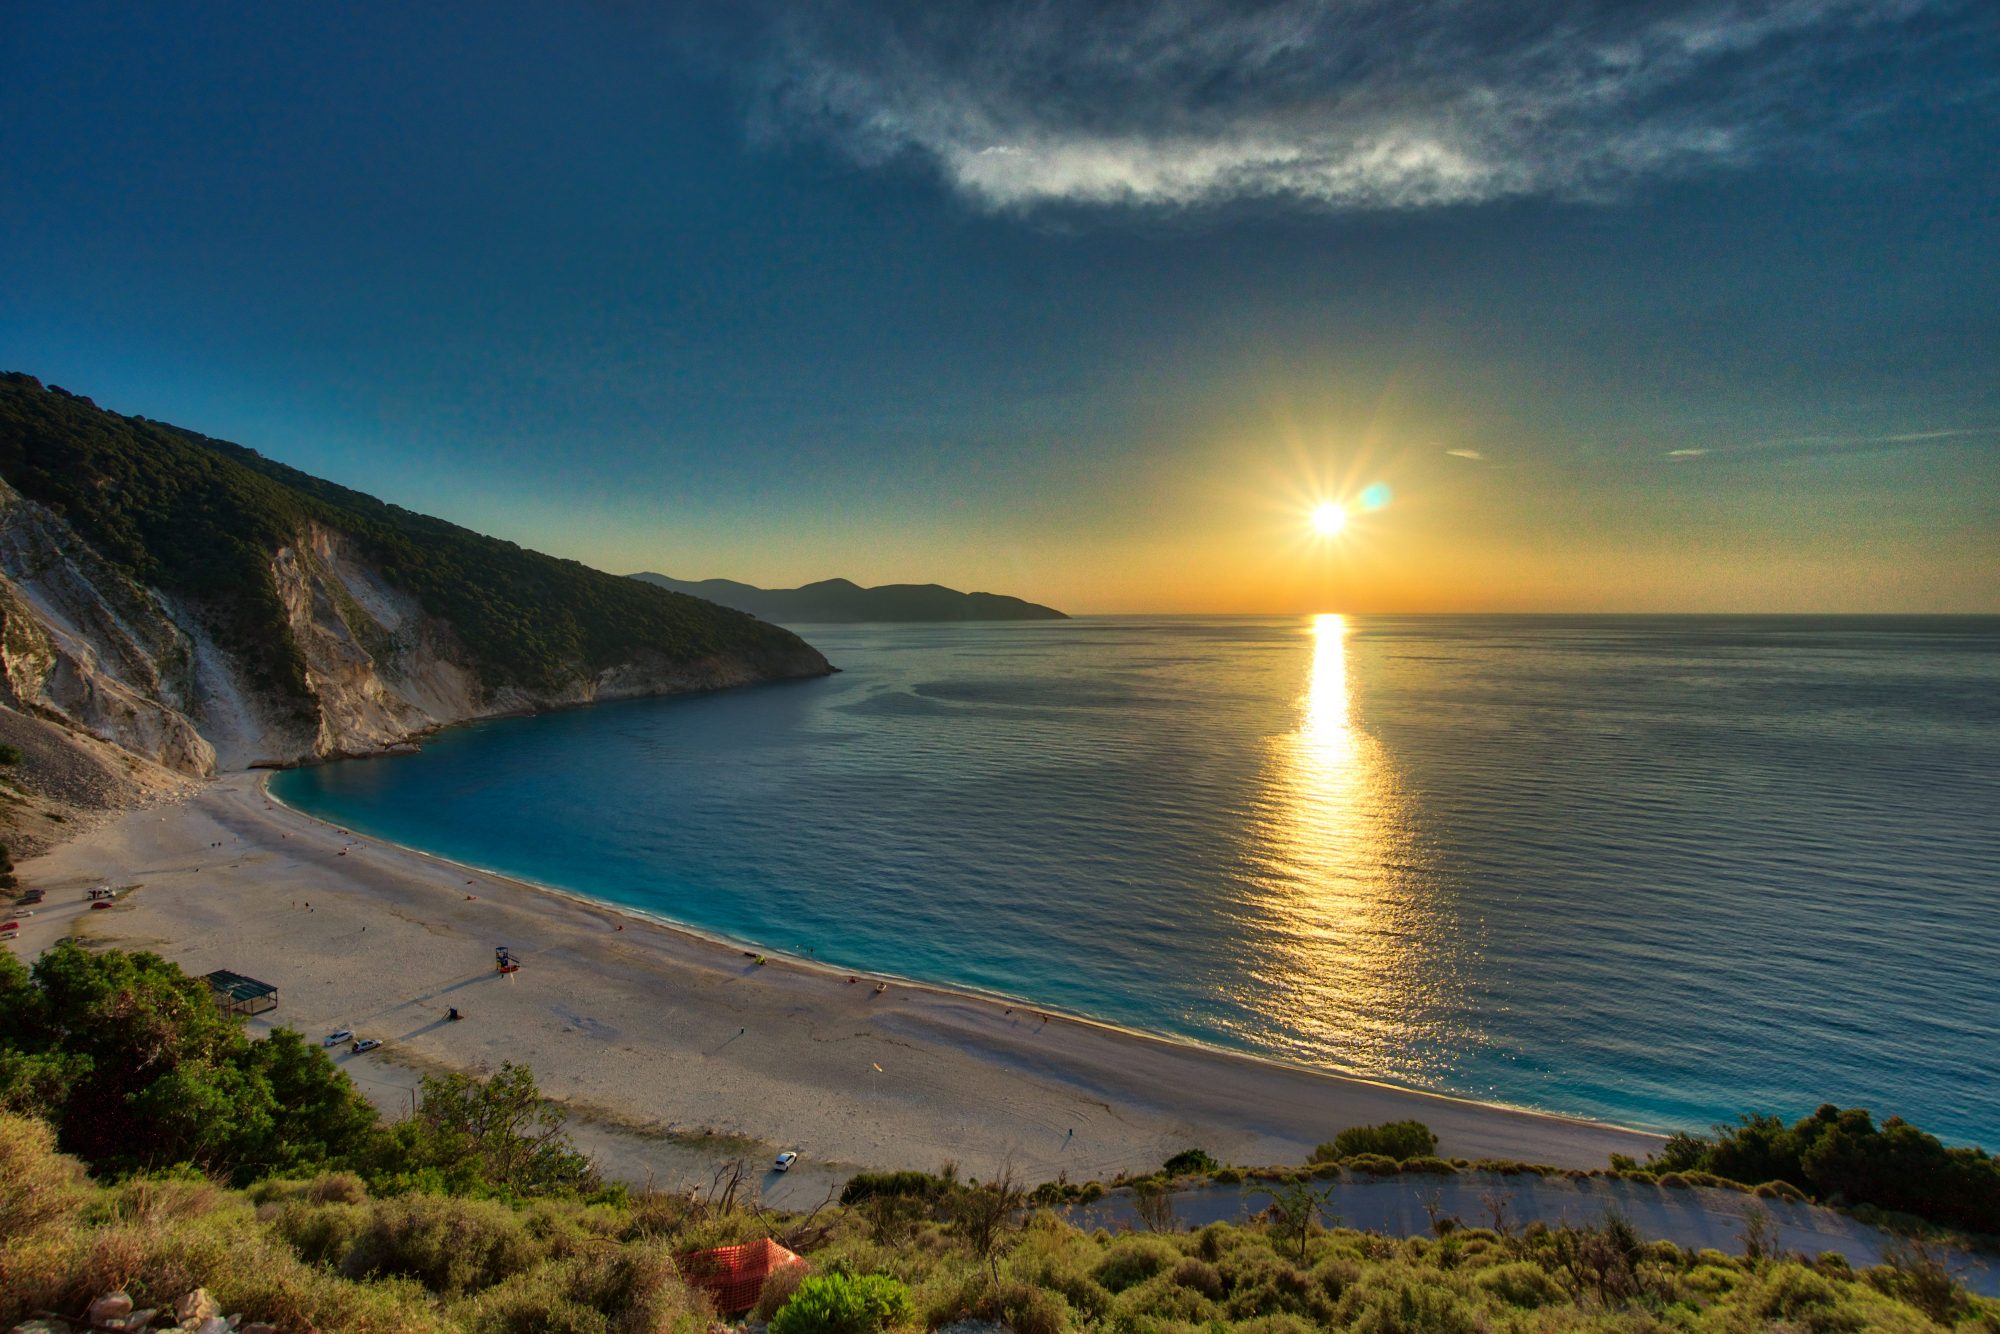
(1352, 973)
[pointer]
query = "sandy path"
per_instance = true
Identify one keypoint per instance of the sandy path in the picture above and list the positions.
(673, 1036)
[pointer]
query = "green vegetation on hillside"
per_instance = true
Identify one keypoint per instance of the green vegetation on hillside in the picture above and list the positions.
(1840, 1156)
(253, 1171)
(327, 1253)
(130, 1062)
(201, 519)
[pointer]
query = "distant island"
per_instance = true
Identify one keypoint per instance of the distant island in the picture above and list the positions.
(845, 600)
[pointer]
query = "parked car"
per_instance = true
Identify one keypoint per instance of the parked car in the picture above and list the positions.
(366, 1044)
(338, 1036)
(785, 1161)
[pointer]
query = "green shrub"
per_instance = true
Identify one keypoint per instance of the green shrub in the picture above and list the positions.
(38, 1187)
(1189, 1162)
(449, 1245)
(1392, 1139)
(1521, 1284)
(1914, 1271)
(1024, 1309)
(336, 1188)
(1429, 1166)
(10, 754)
(1161, 1300)
(1791, 1293)
(1372, 1164)
(1260, 1283)
(633, 1288)
(1408, 1304)
(1133, 1261)
(1275, 1324)
(1199, 1276)
(320, 1234)
(843, 1304)
(1335, 1274)
(1053, 1256)
(902, 1185)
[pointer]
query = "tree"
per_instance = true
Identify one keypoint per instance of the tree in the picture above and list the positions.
(498, 1133)
(137, 1069)
(1298, 1205)
(980, 1214)
(1153, 1203)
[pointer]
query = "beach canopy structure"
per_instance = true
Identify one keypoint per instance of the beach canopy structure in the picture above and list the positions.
(733, 1275)
(239, 995)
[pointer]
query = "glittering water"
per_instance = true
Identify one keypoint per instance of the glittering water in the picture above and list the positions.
(1657, 870)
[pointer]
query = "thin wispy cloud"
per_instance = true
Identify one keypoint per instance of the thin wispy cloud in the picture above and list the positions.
(1831, 446)
(1347, 104)
(1472, 454)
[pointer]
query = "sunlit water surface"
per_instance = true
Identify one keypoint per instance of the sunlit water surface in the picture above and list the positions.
(1656, 870)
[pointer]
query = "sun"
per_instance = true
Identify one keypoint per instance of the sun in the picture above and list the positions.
(1328, 519)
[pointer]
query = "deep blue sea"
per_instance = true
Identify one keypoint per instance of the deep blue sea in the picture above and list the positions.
(1653, 870)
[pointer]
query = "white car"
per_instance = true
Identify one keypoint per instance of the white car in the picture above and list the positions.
(338, 1036)
(366, 1044)
(785, 1161)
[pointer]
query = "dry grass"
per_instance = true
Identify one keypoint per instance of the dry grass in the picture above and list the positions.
(323, 1254)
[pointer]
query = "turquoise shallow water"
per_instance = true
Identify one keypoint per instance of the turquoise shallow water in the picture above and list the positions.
(1654, 870)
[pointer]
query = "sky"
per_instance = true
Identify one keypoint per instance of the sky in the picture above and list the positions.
(1689, 306)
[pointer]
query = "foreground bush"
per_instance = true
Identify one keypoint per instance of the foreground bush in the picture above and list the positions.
(843, 1304)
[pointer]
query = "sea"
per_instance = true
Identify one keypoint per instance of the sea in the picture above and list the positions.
(1659, 871)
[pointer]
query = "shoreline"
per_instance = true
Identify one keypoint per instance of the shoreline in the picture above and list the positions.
(676, 1035)
(950, 990)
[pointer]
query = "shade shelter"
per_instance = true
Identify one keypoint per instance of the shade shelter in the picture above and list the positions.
(242, 996)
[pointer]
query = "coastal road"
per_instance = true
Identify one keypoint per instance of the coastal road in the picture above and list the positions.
(1694, 1217)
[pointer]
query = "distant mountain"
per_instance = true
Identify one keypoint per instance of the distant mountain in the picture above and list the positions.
(844, 600)
(202, 607)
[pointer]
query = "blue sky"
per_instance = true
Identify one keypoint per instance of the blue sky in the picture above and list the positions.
(1683, 306)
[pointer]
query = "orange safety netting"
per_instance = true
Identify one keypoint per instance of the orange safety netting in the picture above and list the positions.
(734, 1275)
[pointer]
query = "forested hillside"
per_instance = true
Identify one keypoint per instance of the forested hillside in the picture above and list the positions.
(286, 617)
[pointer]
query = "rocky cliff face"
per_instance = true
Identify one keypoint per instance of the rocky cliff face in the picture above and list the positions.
(83, 646)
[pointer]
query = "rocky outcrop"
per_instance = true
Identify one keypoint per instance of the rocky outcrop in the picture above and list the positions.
(84, 646)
